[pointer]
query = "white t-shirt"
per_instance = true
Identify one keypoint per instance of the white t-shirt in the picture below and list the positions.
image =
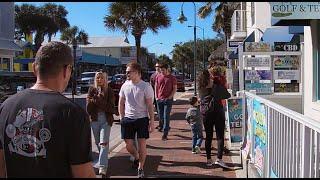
(135, 96)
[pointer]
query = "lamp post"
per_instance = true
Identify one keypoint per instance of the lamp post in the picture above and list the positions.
(203, 60)
(74, 82)
(181, 19)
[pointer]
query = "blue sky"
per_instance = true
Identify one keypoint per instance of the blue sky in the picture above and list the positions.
(89, 17)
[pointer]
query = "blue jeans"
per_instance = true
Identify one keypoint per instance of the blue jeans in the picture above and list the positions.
(101, 131)
(164, 109)
(196, 134)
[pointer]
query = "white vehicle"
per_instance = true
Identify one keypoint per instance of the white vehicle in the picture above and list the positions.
(87, 80)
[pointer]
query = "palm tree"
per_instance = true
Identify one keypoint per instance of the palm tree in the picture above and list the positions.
(44, 20)
(224, 12)
(137, 17)
(57, 14)
(73, 36)
(25, 19)
(164, 59)
(183, 54)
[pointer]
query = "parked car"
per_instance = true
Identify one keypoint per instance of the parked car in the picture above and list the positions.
(180, 83)
(86, 80)
(116, 83)
(12, 82)
(188, 82)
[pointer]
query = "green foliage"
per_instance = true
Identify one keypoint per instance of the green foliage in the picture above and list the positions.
(223, 14)
(137, 18)
(73, 36)
(45, 20)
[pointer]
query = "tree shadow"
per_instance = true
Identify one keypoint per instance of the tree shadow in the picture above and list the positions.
(121, 166)
(180, 102)
(178, 116)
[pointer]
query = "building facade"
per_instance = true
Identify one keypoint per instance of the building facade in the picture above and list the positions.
(7, 45)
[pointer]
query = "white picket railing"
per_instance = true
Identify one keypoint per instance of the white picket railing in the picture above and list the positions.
(292, 142)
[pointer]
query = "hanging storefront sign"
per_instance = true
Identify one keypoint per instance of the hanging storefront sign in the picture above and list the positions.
(257, 61)
(295, 10)
(234, 109)
(261, 88)
(287, 74)
(286, 87)
(257, 75)
(285, 46)
(232, 45)
(257, 47)
(286, 62)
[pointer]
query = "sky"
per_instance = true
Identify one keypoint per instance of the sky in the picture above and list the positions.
(89, 17)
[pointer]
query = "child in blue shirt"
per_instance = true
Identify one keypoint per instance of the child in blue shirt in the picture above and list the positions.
(193, 117)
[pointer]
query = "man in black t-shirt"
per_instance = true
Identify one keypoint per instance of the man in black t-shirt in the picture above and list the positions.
(42, 133)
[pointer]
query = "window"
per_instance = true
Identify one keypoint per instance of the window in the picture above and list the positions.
(252, 13)
(5, 64)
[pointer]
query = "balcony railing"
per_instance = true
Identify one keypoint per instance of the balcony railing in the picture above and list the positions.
(238, 24)
(281, 143)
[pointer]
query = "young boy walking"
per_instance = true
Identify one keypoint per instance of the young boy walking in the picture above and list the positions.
(194, 119)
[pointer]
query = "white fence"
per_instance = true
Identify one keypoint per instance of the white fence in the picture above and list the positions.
(279, 142)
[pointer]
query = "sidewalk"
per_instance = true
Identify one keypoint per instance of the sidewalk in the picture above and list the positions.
(173, 158)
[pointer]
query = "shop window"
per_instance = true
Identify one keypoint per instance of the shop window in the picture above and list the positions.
(5, 64)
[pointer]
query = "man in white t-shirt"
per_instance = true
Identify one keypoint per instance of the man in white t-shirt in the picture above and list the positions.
(136, 114)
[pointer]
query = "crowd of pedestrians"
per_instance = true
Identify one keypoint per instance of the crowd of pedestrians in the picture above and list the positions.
(44, 134)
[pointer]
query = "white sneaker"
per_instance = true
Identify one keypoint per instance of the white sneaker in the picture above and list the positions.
(102, 171)
(198, 150)
(221, 163)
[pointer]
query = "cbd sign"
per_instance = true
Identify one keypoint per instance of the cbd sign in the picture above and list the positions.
(284, 46)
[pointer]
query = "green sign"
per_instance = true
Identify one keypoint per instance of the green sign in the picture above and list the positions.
(295, 10)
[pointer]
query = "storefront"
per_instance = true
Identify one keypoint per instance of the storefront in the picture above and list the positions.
(305, 14)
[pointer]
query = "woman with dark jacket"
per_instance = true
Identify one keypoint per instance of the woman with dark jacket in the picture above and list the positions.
(214, 86)
(101, 107)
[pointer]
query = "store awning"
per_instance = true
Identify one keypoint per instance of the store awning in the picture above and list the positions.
(99, 59)
(277, 34)
(250, 38)
(9, 45)
(290, 22)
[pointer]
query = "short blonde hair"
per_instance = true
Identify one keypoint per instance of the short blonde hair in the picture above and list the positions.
(104, 75)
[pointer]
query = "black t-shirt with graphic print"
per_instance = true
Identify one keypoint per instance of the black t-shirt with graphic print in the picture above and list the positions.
(43, 133)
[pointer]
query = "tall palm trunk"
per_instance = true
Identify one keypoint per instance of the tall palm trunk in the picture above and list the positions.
(138, 45)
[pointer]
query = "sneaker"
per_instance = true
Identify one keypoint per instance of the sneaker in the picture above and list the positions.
(135, 164)
(209, 162)
(197, 149)
(226, 150)
(164, 138)
(140, 173)
(221, 163)
(102, 171)
(193, 151)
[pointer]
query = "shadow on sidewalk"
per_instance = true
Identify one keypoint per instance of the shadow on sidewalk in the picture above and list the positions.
(125, 167)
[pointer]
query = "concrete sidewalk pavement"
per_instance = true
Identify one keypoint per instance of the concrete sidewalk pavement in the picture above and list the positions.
(173, 158)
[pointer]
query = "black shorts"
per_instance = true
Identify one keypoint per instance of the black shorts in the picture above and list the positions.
(129, 127)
